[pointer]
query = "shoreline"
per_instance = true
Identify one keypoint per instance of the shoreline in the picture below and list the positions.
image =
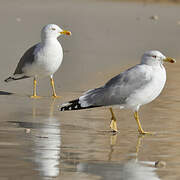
(148, 1)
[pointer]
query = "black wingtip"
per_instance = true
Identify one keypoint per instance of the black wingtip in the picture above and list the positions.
(71, 105)
(14, 79)
(8, 79)
(74, 105)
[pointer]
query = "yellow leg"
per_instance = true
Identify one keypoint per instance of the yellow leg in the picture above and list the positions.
(54, 95)
(141, 131)
(138, 144)
(34, 89)
(113, 124)
(113, 139)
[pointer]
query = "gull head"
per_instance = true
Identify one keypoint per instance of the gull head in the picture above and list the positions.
(53, 31)
(155, 58)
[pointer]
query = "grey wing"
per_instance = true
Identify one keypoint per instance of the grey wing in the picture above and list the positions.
(27, 58)
(122, 86)
(116, 90)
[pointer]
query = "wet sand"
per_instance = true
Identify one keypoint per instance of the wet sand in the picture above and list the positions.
(39, 142)
(176, 2)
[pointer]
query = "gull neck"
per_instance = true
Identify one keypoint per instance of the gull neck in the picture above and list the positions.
(49, 40)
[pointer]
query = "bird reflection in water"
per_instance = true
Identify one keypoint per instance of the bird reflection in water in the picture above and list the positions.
(47, 149)
(131, 170)
(44, 134)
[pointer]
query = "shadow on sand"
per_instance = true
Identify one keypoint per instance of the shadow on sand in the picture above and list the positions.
(5, 93)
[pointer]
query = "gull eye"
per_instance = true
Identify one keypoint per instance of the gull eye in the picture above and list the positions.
(154, 57)
(53, 29)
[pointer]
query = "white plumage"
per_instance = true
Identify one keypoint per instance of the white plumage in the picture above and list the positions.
(130, 89)
(43, 59)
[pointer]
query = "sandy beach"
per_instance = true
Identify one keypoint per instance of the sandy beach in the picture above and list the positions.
(39, 142)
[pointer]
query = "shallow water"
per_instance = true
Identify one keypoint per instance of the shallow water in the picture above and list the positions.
(78, 146)
(39, 142)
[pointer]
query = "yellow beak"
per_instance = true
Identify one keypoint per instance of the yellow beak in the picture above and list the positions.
(168, 59)
(65, 32)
